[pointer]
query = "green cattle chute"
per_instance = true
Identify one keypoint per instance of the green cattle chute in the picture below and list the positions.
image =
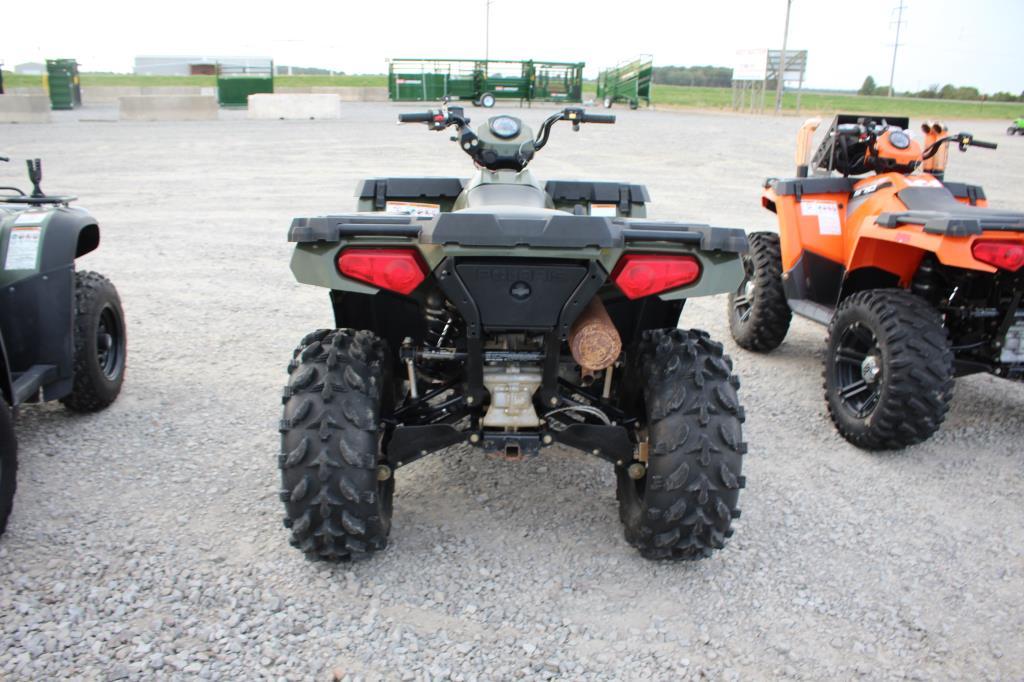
(482, 82)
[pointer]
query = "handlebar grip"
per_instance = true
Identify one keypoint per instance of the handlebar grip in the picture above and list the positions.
(418, 117)
(598, 118)
(984, 145)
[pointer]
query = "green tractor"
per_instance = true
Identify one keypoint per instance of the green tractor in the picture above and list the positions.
(509, 316)
(1017, 128)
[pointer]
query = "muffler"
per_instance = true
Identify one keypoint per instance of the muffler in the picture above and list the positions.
(593, 339)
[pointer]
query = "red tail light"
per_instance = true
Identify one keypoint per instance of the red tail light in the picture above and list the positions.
(639, 275)
(400, 270)
(1005, 255)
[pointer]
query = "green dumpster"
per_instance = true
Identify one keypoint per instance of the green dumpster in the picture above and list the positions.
(235, 82)
(63, 83)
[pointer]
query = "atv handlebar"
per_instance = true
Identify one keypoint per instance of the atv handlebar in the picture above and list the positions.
(418, 117)
(962, 140)
(439, 119)
(575, 115)
(978, 143)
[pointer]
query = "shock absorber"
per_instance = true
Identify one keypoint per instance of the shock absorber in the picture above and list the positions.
(925, 281)
(439, 319)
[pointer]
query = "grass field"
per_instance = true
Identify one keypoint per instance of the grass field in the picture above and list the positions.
(13, 80)
(671, 95)
(830, 103)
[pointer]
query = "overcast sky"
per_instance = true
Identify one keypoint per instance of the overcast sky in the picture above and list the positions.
(943, 41)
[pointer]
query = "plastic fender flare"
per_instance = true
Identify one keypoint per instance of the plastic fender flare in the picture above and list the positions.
(911, 244)
(69, 234)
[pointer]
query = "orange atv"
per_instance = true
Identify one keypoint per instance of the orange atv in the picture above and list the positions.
(917, 281)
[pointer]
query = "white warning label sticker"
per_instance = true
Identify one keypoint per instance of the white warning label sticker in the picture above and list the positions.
(411, 208)
(827, 213)
(23, 247)
(603, 210)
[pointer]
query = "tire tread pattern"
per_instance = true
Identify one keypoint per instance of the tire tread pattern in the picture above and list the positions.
(770, 315)
(330, 444)
(86, 394)
(919, 386)
(694, 423)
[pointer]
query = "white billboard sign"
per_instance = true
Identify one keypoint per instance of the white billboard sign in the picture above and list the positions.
(750, 65)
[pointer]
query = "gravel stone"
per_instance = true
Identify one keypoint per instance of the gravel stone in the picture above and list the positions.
(146, 541)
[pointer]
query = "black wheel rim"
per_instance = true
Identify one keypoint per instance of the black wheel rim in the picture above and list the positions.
(109, 343)
(858, 370)
(743, 299)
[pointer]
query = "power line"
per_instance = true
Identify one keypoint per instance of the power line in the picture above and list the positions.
(896, 46)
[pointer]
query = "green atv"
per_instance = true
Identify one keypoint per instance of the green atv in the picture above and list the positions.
(510, 316)
(62, 332)
(1017, 128)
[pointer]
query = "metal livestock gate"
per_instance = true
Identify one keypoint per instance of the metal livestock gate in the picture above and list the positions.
(628, 82)
(484, 81)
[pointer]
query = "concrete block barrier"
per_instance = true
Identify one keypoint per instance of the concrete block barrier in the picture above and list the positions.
(25, 109)
(169, 108)
(346, 92)
(107, 94)
(294, 106)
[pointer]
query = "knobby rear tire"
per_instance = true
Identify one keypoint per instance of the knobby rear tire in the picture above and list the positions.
(684, 507)
(335, 505)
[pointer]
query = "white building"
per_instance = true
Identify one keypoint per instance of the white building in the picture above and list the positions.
(181, 65)
(30, 68)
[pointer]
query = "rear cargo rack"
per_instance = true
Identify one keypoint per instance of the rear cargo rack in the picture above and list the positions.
(334, 228)
(545, 230)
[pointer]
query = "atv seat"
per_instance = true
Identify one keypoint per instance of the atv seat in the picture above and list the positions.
(940, 213)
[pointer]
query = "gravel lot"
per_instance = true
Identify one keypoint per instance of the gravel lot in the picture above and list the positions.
(146, 541)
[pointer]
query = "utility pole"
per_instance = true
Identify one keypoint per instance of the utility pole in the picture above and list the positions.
(487, 31)
(780, 75)
(896, 45)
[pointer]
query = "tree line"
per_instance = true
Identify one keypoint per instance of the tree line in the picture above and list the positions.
(702, 76)
(948, 91)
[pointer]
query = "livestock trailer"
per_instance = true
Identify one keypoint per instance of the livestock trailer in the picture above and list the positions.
(628, 82)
